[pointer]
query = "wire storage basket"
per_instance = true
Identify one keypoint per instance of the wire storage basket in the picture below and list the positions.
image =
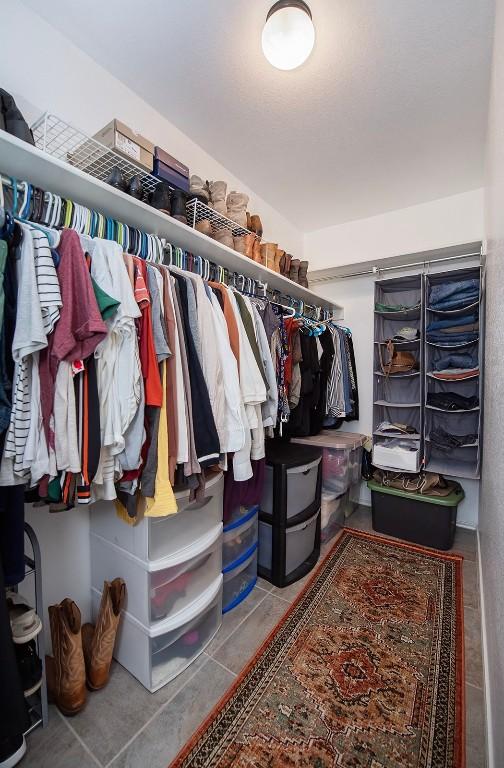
(61, 140)
(198, 212)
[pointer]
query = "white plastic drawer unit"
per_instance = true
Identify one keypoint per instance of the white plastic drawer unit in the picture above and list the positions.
(155, 655)
(239, 579)
(158, 588)
(155, 537)
(299, 544)
(239, 537)
(301, 488)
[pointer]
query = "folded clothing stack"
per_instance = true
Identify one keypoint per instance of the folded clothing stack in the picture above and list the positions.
(452, 366)
(456, 295)
(446, 443)
(451, 401)
(455, 330)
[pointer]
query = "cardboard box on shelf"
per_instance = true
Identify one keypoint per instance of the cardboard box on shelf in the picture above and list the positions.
(171, 162)
(117, 136)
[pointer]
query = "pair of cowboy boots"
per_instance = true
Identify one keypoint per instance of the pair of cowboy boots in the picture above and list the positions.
(82, 654)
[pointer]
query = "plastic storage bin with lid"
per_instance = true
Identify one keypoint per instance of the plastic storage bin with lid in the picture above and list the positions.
(423, 519)
(341, 473)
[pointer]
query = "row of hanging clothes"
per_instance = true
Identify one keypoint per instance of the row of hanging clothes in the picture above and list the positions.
(128, 366)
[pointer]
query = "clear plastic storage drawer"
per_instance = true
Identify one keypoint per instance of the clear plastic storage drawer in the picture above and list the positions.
(301, 488)
(156, 655)
(156, 589)
(239, 537)
(299, 544)
(154, 537)
(239, 580)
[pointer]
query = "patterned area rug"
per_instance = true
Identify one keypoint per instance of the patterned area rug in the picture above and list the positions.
(366, 670)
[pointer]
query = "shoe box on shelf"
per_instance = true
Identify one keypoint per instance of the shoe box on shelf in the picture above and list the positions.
(341, 475)
(289, 517)
(172, 567)
(170, 170)
(239, 556)
(119, 137)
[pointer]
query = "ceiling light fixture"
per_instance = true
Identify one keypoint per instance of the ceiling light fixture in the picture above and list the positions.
(288, 35)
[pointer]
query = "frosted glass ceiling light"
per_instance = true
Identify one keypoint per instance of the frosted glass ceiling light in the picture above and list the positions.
(288, 35)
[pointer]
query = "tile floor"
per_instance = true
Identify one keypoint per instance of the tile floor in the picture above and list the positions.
(124, 726)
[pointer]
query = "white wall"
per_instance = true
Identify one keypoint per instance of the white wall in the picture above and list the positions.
(492, 484)
(441, 223)
(45, 72)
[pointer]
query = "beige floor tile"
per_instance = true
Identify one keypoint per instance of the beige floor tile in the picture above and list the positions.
(231, 620)
(475, 728)
(56, 747)
(473, 658)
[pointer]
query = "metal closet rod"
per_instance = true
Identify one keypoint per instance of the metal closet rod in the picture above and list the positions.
(377, 270)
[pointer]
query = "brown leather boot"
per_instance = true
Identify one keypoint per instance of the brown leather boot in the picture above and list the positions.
(278, 259)
(285, 263)
(249, 245)
(302, 274)
(98, 640)
(268, 251)
(256, 224)
(240, 244)
(294, 270)
(65, 671)
(257, 251)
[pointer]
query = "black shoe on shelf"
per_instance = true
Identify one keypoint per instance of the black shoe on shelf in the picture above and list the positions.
(178, 205)
(30, 668)
(160, 197)
(135, 188)
(116, 179)
(12, 750)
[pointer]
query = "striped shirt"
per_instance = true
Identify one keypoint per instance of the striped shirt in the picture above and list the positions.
(39, 300)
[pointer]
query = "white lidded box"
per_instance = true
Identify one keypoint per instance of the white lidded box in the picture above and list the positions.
(238, 537)
(155, 537)
(299, 544)
(158, 588)
(157, 654)
(397, 454)
(301, 488)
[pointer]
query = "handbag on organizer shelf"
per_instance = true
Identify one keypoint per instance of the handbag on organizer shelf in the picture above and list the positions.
(399, 361)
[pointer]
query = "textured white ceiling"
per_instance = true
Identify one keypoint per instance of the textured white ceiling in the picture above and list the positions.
(389, 111)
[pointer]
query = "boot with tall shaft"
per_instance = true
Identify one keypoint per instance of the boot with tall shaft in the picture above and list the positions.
(65, 670)
(98, 640)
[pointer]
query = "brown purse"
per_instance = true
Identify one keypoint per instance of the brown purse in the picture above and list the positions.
(400, 361)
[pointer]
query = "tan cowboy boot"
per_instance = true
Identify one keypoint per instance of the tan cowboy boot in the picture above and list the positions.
(294, 270)
(268, 251)
(240, 244)
(65, 671)
(98, 640)
(285, 263)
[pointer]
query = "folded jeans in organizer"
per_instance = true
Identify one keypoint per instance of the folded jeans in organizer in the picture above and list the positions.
(445, 339)
(446, 442)
(453, 322)
(456, 374)
(459, 302)
(454, 289)
(457, 360)
(451, 401)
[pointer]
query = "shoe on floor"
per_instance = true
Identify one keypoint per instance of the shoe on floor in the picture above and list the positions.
(12, 750)
(65, 670)
(25, 624)
(30, 667)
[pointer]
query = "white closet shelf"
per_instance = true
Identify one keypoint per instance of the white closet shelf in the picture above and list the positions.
(409, 375)
(412, 343)
(446, 410)
(398, 435)
(25, 162)
(432, 375)
(452, 346)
